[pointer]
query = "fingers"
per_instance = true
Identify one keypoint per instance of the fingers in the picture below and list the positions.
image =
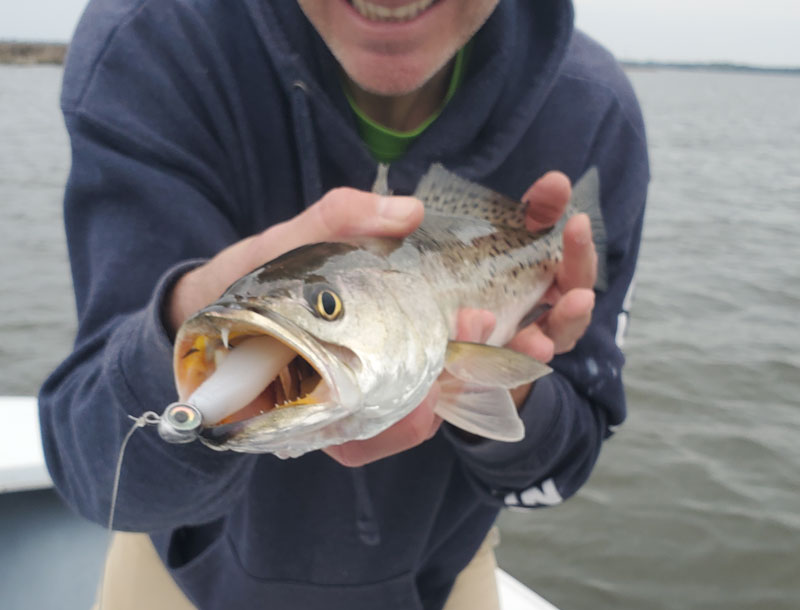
(533, 341)
(341, 213)
(578, 269)
(571, 295)
(415, 428)
(569, 319)
(475, 325)
(346, 212)
(547, 199)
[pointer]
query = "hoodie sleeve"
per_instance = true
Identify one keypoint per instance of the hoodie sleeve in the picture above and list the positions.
(570, 412)
(148, 197)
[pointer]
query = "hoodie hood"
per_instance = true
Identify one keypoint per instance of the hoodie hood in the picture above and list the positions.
(509, 75)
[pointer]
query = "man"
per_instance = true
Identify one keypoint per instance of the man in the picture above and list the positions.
(211, 136)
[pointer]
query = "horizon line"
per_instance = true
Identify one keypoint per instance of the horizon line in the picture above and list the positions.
(718, 64)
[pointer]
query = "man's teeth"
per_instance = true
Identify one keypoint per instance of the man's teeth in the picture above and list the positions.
(377, 12)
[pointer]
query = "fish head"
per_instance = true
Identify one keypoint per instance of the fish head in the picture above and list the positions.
(359, 361)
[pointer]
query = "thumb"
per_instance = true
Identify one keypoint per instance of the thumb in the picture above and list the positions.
(346, 212)
(341, 213)
(547, 199)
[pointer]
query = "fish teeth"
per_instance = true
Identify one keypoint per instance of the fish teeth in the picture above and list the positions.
(219, 356)
(377, 12)
(225, 333)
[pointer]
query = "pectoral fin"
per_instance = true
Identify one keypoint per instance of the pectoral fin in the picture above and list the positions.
(491, 367)
(487, 412)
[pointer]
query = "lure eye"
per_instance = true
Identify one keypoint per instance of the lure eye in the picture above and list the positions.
(329, 305)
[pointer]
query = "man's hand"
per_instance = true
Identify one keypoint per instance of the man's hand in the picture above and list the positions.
(571, 294)
(341, 213)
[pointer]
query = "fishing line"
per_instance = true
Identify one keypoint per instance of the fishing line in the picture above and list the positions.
(148, 418)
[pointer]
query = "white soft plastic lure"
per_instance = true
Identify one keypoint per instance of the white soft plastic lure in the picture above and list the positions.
(240, 377)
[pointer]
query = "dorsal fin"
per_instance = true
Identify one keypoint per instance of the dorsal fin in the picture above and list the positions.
(446, 193)
(381, 184)
(586, 200)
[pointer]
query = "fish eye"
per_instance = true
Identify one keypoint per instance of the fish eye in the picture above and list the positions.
(328, 304)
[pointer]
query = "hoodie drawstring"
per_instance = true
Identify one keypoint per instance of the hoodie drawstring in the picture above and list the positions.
(366, 524)
(308, 158)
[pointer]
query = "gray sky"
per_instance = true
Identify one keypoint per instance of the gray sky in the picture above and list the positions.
(765, 32)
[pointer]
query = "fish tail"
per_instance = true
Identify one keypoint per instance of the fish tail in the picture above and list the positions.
(586, 200)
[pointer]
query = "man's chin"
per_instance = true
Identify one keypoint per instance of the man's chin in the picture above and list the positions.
(387, 79)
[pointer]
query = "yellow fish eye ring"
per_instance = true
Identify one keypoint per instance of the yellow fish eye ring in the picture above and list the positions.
(329, 305)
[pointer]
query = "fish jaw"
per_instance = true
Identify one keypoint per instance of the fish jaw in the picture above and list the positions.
(287, 432)
(330, 390)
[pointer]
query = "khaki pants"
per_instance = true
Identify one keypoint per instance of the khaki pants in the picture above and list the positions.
(135, 579)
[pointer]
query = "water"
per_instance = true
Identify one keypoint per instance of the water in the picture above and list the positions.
(696, 502)
(37, 311)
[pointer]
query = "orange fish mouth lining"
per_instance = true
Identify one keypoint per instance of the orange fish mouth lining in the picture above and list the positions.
(197, 356)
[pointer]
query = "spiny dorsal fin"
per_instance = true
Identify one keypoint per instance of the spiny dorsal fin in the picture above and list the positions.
(446, 193)
(381, 184)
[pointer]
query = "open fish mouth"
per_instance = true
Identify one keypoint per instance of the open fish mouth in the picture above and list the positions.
(298, 388)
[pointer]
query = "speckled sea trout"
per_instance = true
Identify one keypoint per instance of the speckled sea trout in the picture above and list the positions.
(337, 341)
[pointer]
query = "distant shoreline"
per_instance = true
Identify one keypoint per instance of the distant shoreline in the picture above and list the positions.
(32, 53)
(707, 67)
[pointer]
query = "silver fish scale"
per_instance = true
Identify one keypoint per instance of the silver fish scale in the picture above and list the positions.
(474, 263)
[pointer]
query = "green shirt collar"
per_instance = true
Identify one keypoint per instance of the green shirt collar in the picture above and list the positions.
(388, 145)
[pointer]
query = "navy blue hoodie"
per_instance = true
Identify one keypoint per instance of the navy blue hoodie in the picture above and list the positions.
(195, 123)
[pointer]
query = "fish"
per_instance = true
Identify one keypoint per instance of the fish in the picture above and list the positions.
(337, 341)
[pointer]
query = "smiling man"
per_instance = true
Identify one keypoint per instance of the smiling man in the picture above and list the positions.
(210, 136)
